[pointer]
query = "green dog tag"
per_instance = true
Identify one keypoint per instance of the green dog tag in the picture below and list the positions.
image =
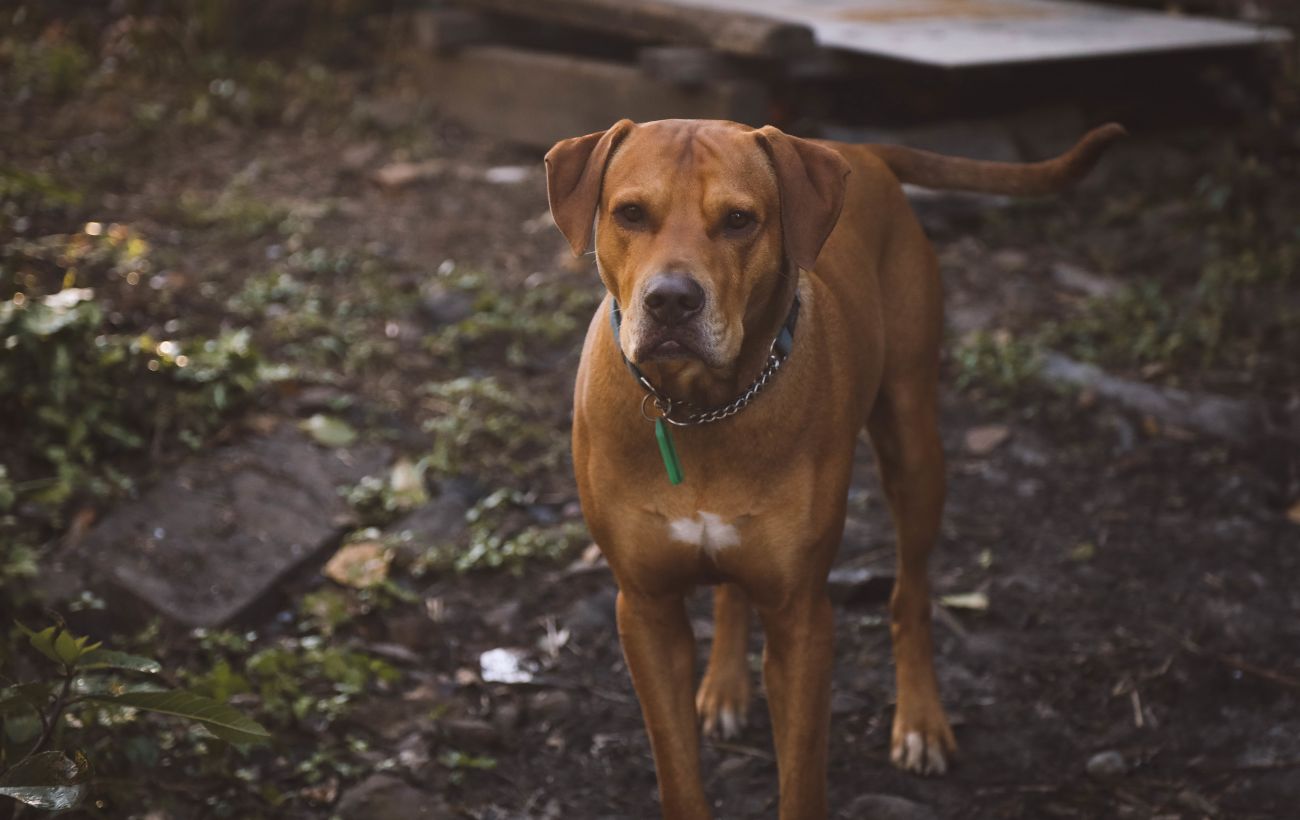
(665, 437)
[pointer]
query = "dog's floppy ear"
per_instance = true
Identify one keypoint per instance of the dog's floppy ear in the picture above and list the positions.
(810, 178)
(574, 170)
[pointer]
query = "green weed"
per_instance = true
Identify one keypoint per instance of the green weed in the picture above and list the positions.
(994, 363)
(483, 427)
(501, 535)
(89, 695)
(77, 398)
(52, 66)
(517, 319)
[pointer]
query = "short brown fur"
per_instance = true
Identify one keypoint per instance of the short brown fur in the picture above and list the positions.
(866, 353)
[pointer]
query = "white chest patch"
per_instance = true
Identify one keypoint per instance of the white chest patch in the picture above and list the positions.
(705, 530)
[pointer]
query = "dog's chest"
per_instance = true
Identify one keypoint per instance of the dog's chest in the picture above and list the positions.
(709, 531)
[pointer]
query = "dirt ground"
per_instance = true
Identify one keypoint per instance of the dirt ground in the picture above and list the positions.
(1136, 582)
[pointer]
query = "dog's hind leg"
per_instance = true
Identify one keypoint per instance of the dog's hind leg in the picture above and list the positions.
(904, 429)
(723, 697)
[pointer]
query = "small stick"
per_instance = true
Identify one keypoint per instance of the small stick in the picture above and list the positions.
(741, 750)
(1280, 678)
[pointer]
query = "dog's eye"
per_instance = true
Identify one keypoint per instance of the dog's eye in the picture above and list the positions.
(632, 214)
(739, 220)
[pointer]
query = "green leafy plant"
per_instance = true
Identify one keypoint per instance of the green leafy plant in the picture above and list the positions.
(76, 398)
(52, 66)
(82, 673)
(501, 535)
(995, 363)
(548, 312)
(480, 419)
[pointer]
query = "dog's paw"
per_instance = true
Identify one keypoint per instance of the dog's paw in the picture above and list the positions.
(923, 745)
(723, 705)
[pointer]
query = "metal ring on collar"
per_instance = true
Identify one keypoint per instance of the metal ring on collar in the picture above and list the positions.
(663, 411)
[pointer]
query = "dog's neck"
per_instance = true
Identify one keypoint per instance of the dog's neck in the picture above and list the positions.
(703, 386)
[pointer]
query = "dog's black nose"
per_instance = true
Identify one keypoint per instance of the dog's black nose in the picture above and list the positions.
(673, 298)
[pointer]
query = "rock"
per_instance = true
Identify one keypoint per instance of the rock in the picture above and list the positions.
(413, 751)
(1198, 803)
(550, 704)
(386, 797)
(844, 703)
(981, 441)
(444, 306)
(319, 398)
(593, 616)
(506, 617)
(506, 716)
(1232, 419)
(859, 586)
(732, 766)
(441, 521)
(216, 534)
(886, 807)
(387, 112)
(1107, 764)
(392, 718)
(1073, 277)
(1011, 260)
(470, 733)
(414, 630)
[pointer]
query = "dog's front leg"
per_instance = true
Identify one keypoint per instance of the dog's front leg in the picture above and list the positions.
(660, 653)
(797, 677)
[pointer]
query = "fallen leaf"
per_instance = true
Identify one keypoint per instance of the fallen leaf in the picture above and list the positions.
(262, 423)
(322, 793)
(507, 174)
(977, 601)
(1293, 514)
(1084, 551)
(407, 482)
(359, 565)
(983, 440)
(329, 431)
(399, 174)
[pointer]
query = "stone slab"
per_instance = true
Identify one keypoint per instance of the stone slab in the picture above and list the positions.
(976, 33)
(217, 533)
(538, 98)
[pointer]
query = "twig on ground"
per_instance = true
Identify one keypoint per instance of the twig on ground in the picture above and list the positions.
(736, 748)
(950, 620)
(1272, 675)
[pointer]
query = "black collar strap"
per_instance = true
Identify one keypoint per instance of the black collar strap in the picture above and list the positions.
(776, 356)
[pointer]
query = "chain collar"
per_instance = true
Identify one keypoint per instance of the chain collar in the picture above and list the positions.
(667, 406)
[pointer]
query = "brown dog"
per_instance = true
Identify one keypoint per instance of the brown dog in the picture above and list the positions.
(768, 296)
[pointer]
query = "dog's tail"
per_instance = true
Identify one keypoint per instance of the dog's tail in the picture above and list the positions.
(930, 170)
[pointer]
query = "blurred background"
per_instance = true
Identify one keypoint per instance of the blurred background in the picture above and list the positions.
(287, 340)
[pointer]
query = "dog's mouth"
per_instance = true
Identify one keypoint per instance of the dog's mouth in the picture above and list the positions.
(664, 346)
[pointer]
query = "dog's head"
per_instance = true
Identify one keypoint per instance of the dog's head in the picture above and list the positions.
(699, 225)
